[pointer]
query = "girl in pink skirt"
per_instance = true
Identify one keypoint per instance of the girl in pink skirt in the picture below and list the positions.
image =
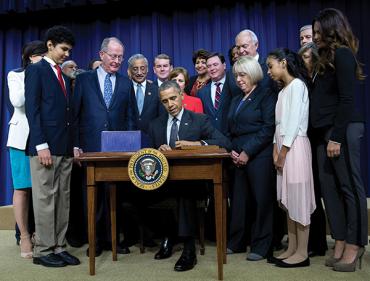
(292, 154)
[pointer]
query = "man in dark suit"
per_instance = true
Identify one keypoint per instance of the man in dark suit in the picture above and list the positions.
(50, 146)
(145, 108)
(247, 44)
(216, 96)
(162, 68)
(173, 130)
(102, 103)
(143, 92)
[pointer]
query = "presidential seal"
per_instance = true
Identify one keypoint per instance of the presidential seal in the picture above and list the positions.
(148, 169)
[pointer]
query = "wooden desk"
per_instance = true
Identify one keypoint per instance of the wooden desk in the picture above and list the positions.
(184, 165)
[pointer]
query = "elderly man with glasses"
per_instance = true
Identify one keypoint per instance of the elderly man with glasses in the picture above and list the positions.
(102, 103)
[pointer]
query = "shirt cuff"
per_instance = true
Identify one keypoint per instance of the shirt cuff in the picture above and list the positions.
(203, 142)
(335, 142)
(42, 146)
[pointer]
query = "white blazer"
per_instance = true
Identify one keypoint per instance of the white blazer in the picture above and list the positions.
(294, 118)
(18, 124)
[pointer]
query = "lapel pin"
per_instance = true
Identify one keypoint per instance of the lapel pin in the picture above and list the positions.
(149, 93)
(186, 124)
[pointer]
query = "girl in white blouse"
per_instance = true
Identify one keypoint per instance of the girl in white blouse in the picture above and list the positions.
(292, 154)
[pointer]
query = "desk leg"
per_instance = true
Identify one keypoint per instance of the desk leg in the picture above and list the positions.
(91, 209)
(219, 227)
(113, 202)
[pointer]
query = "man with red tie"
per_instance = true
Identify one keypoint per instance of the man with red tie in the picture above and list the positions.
(50, 146)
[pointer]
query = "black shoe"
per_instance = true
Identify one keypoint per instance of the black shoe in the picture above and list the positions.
(75, 243)
(68, 258)
(283, 264)
(313, 253)
(165, 251)
(187, 261)
(51, 260)
(98, 250)
(272, 259)
(123, 250)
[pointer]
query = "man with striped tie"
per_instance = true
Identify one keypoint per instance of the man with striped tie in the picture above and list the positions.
(216, 96)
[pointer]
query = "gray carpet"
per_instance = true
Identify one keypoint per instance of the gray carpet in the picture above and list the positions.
(136, 266)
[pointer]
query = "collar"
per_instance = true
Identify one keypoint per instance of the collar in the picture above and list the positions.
(143, 84)
(257, 57)
(49, 60)
(178, 116)
(222, 81)
(102, 72)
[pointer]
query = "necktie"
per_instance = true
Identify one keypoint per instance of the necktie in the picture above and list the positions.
(107, 90)
(139, 98)
(60, 79)
(174, 133)
(218, 95)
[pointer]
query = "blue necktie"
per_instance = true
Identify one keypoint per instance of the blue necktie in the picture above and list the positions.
(107, 90)
(174, 133)
(139, 98)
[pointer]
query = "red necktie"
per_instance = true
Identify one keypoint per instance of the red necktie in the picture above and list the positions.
(60, 79)
(218, 95)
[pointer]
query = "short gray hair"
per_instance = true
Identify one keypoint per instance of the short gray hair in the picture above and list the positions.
(136, 57)
(250, 33)
(249, 66)
(106, 41)
(305, 27)
(64, 64)
(169, 84)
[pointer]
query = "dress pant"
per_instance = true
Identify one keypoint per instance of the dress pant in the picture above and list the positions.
(317, 237)
(342, 188)
(255, 180)
(50, 194)
(77, 225)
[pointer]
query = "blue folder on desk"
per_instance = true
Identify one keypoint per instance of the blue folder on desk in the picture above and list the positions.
(123, 141)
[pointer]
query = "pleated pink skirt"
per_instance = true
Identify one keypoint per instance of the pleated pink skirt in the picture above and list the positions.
(295, 187)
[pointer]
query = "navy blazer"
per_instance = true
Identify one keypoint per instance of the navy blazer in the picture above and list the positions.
(218, 117)
(152, 107)
(49, 112)
(91, 113)
(193, 127)
(252, 127)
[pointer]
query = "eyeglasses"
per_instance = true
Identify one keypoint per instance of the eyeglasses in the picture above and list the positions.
(115, 57)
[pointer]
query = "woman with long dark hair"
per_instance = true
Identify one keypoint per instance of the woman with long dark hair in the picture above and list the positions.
(339, 128)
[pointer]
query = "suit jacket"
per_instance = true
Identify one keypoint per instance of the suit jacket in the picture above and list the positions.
(218, 117)
(252, 127)
(49, 112)
(193, 127)
(152, 107)
(18, 124)
(91, 113)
